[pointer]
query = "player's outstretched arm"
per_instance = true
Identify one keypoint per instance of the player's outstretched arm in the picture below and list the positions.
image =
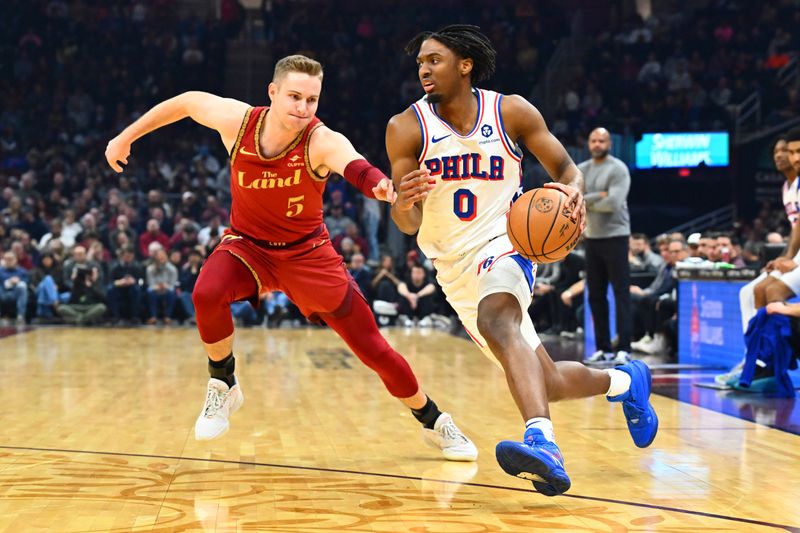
(524, 122)
(222, 114)
(403, 143)
(331, 151)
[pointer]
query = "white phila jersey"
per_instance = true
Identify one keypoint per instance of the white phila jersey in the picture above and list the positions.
(478, 176)
(791, 200)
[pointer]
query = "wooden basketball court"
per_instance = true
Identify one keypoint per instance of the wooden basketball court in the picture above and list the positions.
(97, 435)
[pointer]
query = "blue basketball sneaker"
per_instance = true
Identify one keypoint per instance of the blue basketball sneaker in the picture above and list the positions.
(640, 415)
(536, 459)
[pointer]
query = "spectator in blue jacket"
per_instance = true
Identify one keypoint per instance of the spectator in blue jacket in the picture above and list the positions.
(14, 285)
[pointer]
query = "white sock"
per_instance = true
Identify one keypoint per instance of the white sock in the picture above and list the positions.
(543, 424)
(620, 382)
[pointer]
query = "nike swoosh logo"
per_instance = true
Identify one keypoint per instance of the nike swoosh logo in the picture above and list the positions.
(435, 140)
(245, 152)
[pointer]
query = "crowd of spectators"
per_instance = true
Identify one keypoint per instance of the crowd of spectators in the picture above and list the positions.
(95, 246)
(361, 39)
(558, 305)
(684, 71)
(85, 245)
(90, 245)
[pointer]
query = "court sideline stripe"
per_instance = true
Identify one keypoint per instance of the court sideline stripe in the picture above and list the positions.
(689, 401)
(792, 529)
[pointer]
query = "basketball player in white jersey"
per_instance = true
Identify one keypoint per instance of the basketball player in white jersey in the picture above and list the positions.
(784, 281)
(781, 277)
(456, 166)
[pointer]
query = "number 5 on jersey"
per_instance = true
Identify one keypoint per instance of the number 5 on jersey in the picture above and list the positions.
(295, 206)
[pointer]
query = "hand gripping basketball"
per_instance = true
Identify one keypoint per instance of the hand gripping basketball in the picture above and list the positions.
(541, 225)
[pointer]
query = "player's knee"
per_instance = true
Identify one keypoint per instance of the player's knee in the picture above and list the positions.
(763, 284)
(207, 295)
(378, 358)
(497, 328)
(776, 292)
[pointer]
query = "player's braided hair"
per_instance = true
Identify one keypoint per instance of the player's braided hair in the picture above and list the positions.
(466, 41)
(793, 135)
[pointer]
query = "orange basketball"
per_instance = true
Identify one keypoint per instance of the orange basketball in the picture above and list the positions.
(539, 226)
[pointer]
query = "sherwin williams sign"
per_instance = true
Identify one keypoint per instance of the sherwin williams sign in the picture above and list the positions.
(682, 150)
(709, 323)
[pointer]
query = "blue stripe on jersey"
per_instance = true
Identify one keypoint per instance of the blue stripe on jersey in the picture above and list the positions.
(511, 145)
(422, 132)
(527, 268)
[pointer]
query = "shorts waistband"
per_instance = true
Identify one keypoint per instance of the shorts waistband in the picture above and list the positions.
(279, 245)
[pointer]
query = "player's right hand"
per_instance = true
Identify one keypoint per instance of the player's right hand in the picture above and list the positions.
(117, 151)
(782, 264)
(414, 187)
(786, 265)
(575, 204)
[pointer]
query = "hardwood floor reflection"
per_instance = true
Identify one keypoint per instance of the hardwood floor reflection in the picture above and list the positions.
(98, 436)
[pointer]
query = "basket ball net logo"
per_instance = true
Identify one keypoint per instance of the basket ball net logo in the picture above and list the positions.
(543, 205)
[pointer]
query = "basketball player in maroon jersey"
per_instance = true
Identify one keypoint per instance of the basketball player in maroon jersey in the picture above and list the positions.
(280, 158)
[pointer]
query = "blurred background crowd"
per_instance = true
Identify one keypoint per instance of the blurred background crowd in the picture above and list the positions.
(82, 244)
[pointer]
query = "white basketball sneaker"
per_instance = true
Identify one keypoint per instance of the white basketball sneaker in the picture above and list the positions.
(598, 357)
(446, 436)
(723, 379)
(622, 358)
(221, 402)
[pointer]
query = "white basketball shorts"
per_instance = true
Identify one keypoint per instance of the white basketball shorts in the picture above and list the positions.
(492, 268)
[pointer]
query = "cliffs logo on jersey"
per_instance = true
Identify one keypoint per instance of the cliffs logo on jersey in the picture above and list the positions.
(269, 180)
(466, 166)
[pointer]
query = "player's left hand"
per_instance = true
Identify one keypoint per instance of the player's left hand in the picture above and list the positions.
(575, 202)
(384, 191)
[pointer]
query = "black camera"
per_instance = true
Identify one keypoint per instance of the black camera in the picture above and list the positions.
(82, 273)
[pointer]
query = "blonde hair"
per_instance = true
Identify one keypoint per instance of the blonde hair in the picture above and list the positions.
(297, 63)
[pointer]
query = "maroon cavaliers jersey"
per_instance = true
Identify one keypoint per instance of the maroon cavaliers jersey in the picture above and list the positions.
(274, 199)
